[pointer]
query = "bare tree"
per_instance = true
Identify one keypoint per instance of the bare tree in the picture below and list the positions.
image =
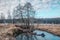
(30, 13)
(9, 15)
(17, 13)
(2, 16)
(26, 14)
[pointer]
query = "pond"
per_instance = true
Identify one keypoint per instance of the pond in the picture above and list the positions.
(48, 36)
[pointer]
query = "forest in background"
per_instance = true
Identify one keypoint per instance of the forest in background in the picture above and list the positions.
(41, 20)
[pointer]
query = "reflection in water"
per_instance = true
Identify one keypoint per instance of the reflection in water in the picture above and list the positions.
(48, 36)
(26, 37)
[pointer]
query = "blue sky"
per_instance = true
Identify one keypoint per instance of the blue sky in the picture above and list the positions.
(43, 8)
(49, 13)
(53, 11)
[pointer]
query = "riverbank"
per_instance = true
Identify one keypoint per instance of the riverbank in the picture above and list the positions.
(6, 32)
(51, 28)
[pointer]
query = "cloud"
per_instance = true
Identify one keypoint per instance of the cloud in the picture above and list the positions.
(22, 2)
(6, 5)
(37, 4)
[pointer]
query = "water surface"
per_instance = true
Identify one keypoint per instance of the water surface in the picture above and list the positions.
(48, 36)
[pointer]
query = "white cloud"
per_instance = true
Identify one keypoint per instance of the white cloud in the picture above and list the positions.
(6, 5)
(22, 2)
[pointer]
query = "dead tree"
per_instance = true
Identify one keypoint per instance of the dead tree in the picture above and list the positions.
(26, 14)
(3, 17)
(9, 15)
(17, 13)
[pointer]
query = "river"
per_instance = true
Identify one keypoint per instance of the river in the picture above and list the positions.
(48, 36)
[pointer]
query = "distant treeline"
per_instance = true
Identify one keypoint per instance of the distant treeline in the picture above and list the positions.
(49, 20)
(42, 20)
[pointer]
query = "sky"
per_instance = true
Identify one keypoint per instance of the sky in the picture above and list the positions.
(43, 8)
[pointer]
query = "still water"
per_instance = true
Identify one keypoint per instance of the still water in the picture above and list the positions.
(48, 36)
